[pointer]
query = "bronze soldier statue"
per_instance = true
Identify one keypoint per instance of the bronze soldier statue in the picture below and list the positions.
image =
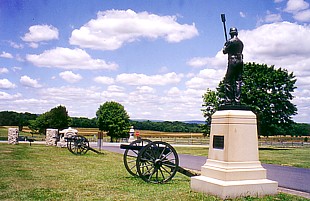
(233, 78)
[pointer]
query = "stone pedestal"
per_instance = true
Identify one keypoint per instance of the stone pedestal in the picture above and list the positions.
(51, 137)
(131, 134)
(13, 136)
(233, 168)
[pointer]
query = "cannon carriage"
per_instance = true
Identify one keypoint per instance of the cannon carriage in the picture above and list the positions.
(79, 145)
(154, 162)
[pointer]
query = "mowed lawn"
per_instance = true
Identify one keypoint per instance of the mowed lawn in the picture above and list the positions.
(39, 172)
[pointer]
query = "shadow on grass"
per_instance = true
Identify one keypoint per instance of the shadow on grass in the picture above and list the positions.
(272, 149)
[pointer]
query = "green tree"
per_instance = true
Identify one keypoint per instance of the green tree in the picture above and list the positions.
(55, 118)
(40, 124)
(268, 91)
(58, 118)
(24, 119)
(210, 104)
(301, 129)
(113, 118)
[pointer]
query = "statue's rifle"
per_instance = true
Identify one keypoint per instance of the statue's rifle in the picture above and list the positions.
(224, 20)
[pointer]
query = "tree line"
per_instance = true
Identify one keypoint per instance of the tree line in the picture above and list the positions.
(168, 126)
(164, 126)
(11, 118)
(83, 122)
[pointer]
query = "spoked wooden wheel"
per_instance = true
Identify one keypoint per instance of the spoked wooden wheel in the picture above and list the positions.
(158, 162)
(78, 145)
(131, 155)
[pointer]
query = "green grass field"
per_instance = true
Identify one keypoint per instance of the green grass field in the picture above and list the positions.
(39, 172)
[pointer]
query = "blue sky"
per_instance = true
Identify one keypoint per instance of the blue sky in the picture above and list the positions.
(156, 58)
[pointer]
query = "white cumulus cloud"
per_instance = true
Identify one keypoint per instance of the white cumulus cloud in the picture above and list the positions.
(198, 61)
(6, 84)
(303, 16)
(104, 80)
(218, 61)
(196, 83)
(145, 90)
(6, 55)
(39, 33)
(115, 88)
(16, 45)
(141, 79)
(29, 82)
(283, 44)
(6, 96)
(206, 78)
(112, 28)
(3, 70)
(272, 17)
(70, 77)
(293, 6)
(299, 9)
(69, 59)
(174, 91)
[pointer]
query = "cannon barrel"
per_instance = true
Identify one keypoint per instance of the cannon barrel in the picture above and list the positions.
(139, 148)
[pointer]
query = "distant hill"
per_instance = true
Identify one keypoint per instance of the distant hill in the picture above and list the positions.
(141, 120)
(167, 126)
(187, 122)
(194, 122)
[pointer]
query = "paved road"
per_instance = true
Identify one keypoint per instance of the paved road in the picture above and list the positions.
(287, 177)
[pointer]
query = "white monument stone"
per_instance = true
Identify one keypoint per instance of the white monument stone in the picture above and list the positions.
(51, 137)
(66, 133)
(233, 168)
(131, 134)
(13, 136)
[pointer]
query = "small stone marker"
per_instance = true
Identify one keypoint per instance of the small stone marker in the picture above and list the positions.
(51, 137)
(131, 134)
(100, 137)
(13, 136)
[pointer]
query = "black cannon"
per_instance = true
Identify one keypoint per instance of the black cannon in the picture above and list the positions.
(79, 145)
(25, 138)
(155, 162)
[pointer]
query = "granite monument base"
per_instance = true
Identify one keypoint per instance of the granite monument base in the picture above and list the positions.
(233, 168)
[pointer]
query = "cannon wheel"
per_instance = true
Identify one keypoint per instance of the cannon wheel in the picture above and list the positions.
(78, 145)
(130, 156)
(158, 162)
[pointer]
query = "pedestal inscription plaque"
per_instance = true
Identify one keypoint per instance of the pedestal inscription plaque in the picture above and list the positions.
(218, 142)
